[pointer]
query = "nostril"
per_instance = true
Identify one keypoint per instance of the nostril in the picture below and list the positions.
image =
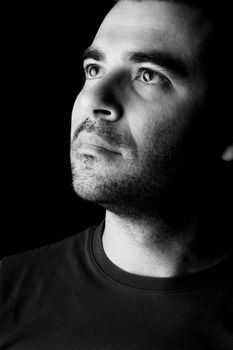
(102, 111)
(111, 113)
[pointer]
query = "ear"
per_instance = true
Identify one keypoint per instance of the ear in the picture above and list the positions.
(227, 155)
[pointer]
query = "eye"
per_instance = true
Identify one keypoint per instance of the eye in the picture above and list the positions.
(91, 70)
(151, 77)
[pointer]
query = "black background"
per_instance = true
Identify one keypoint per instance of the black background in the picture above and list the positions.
(42, 77)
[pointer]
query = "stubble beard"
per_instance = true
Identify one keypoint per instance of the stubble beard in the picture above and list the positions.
(152, 184)
(129, 192)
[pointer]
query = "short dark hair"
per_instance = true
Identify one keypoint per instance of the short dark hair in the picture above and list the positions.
(210, 8)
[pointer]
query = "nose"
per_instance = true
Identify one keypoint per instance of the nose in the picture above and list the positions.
(100, 98)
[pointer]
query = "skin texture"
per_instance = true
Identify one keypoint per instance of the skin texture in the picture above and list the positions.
(137, 140)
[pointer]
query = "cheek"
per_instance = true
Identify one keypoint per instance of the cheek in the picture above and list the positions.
(77, 115)
(157, 132)
(144, 121)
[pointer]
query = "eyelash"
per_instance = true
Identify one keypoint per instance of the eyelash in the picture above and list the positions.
(141, 70)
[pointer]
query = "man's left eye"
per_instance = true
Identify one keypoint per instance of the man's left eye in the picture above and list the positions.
(150, 76)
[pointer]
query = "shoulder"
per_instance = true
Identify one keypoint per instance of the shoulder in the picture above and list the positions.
(47, 253)
(42, 265)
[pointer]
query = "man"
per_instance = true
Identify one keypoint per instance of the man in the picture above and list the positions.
(157, 273)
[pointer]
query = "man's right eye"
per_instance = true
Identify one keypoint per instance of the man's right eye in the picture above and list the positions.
(91, 70)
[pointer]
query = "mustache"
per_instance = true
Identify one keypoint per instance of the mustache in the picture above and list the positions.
(104, 130)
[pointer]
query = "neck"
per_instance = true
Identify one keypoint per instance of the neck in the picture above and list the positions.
(148, 247)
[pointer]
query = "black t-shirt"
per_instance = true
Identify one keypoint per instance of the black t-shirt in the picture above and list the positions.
(69, 295)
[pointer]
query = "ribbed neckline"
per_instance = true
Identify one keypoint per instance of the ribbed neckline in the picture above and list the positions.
(192, 281)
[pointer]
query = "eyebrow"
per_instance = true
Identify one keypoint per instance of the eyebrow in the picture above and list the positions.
(92, 53)
(175, 65)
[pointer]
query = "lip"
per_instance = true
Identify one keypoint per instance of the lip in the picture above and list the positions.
(91, 142)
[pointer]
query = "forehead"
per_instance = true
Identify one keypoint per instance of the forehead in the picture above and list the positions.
(153, 24)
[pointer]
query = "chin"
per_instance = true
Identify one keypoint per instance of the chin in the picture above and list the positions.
(88, 189)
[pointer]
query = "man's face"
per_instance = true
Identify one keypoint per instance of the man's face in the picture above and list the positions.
(143, 92)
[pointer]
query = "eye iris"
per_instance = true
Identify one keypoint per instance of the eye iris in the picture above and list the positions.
(148, 76)
(93, 71)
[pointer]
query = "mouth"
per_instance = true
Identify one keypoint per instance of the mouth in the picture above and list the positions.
(90, 143)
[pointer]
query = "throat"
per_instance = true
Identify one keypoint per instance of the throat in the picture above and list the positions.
(147, 250)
